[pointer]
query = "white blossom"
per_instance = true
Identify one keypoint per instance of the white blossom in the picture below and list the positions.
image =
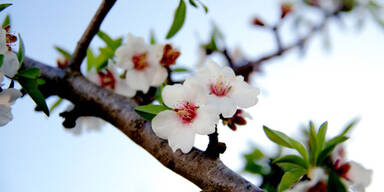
(359, 177)
(141, 62)
(189, 116)
(10, 64)
(225, 90)
(7, 98)
(3, 41)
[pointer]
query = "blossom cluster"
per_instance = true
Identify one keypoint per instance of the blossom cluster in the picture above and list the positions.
(196, 105)
(9, 67)
(353, 175)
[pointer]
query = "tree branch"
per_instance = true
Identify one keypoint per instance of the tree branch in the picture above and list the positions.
(93, 27)
(251, 66)
(207, 173)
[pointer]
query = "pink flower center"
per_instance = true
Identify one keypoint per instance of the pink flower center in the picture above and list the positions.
(187, 113)
(220, 88)
(319, 187)
(140, 61)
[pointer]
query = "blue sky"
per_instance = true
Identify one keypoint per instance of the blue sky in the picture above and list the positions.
(37, 154)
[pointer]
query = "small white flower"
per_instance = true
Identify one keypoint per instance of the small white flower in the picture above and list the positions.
(141, 62)
(225, 90)
(189, 116)
(316, 176)
(121, 85)
(7, 98)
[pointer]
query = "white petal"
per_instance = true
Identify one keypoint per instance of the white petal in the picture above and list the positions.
(173, 95)
(164, 123)
(137, 80)
(158, 76)
(8, 96)
(3, 41)
(243, 94)
(93, 77)
(10, 64)
(182, 138)
(205, 121)
(123, 57)
(224, 105)
(358, 175)
(5, 115)
(122, 88)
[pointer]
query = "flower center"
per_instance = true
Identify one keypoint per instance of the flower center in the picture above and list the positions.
(106, 79)
(187, 113)
(140, 61)
(220, 88)
(169, 55)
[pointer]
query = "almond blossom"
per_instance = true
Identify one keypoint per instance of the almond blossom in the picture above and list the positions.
(189, 115)
(141, 63)
(225, 90)
(317, 179)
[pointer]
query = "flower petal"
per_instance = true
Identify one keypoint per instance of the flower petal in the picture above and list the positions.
(5, 115)
(10, 64)
(137, 80)
(173, 95)
(182, 138)
(3, 41)
(158, 76)
(164, 123)
(205, 121)
(224, 105)
(243, 94)
(359, 175)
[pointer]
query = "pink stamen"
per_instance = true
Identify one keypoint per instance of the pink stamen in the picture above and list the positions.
(187, 112)
(140, 61)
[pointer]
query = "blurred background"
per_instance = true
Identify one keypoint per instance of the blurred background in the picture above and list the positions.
(337, 78)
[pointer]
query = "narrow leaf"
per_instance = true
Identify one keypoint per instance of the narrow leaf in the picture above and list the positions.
(21, 52)
(290, 178)
(152, 40)
(178, 19)
(193, 3)
(1, 60)
(31, 86)
(5, 5)
(277, 137)
(349, 127)
(313, 143)
(91, 60)
(329, 147)
(30, 73)
(64, 52)
(108, 40)
(335, 183)
(294, 159)
(57, 103)
(151, 109)
(321, 135)
(180, 69)
(6, 22)
(300, 148)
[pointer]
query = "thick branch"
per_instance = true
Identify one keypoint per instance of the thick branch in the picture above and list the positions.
(93, 27)
(207, 173)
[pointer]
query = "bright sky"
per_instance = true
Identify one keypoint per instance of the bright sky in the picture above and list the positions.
(38, 155)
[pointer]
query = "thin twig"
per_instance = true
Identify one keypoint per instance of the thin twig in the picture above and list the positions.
(93, 27)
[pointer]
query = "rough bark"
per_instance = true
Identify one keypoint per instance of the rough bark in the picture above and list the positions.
(210, 174)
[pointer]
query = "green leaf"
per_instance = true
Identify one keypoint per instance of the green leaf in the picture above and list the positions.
(329, 147)
(64, 52)
(21, 52)
(349, 127)
(178, 19)
(30, 73)
(321, 135)
(290, 178)
(253, 167)
(5, 5)
(113, 44)
(31, 87)
(1, 60)
(151, 108)
(294, 159)
(40, 81)
(277, 137)
(57, 103)
(193, 3)
(6, 22)
(313, 143)
(282, 139)
(146, 116)
(256, 154)
(335, 183)
(180, 69)
(288, 166)
(158, 96)
(152, 40)
(91, 60)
